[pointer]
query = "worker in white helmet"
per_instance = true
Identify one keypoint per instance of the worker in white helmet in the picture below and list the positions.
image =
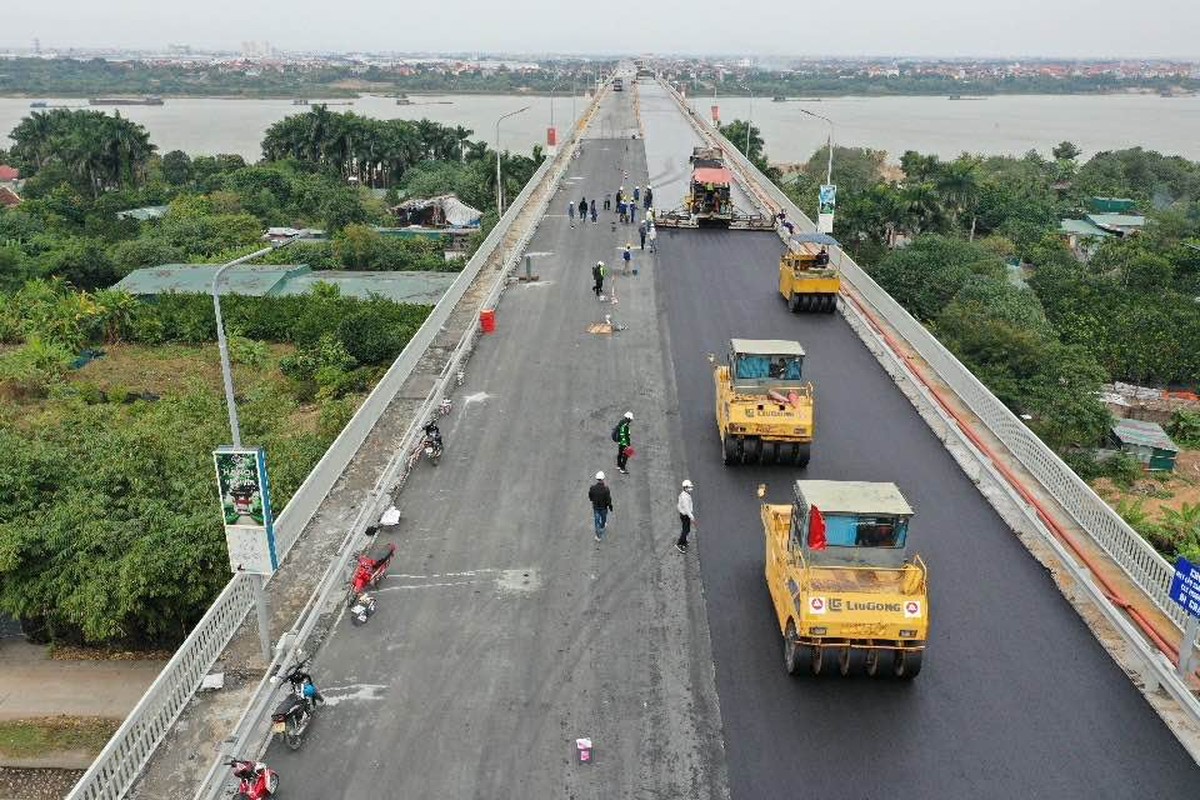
(601, 499)
(687, 517)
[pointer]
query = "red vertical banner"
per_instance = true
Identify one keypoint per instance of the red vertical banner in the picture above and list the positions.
(551, 137)
(816, 530)
(716, 114)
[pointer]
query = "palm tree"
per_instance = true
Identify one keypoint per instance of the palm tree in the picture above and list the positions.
(958, 184)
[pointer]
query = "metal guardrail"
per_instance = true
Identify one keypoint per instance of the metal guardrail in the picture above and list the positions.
(1149, 571)
(126, 754)
(251, 733)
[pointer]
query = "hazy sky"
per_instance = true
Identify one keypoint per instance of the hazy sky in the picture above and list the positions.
(1073, 28)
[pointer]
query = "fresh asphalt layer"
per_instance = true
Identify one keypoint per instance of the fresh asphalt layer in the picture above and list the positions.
(1016, 699)
(504, 631)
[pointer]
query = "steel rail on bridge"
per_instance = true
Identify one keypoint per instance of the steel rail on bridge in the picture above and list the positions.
(1146, 568)
(126, 754)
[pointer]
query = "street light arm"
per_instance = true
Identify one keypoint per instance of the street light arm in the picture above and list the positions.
(235, 430)
(499, 196)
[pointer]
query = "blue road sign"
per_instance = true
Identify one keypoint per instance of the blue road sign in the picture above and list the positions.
(1185, 587)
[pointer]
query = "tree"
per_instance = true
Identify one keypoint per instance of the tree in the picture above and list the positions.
(1065, 151)
(927, 274)
(177, 168)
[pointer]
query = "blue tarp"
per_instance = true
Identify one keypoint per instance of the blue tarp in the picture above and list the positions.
(816, 238)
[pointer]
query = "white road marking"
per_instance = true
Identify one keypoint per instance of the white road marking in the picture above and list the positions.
(514, 581)
(359, 691)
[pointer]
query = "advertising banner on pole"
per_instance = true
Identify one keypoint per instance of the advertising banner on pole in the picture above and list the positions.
(716, 115)
(244, 492)
(826, 203)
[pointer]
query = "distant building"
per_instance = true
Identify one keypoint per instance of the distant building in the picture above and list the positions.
(1147, 442)
(1082, 236)
(1120, 224)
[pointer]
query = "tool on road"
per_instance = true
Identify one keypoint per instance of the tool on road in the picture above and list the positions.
(807, 281)
(765, 410)
(844, 589)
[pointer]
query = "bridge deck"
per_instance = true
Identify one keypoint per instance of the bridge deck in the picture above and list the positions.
(505, 631)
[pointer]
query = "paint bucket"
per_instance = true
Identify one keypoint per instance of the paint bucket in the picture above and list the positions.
(487, 320)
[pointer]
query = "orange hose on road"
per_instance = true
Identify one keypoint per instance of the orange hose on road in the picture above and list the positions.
(1111, 592)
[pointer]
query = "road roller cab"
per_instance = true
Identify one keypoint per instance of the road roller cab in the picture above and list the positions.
(764, 405)
(847, 593)
(808, 280)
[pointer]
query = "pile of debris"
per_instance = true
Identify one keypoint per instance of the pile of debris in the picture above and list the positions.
(1129, 401)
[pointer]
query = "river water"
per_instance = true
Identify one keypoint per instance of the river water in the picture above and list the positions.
(995, 125)
(1002, 125)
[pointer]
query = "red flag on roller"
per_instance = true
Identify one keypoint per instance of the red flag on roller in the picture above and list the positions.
(816, 529)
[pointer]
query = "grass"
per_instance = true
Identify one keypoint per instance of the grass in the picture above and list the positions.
(31, 738)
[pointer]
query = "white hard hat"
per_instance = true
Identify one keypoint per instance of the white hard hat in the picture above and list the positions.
(600, 475)
(687, 484)
(599, 263)
(628, 415)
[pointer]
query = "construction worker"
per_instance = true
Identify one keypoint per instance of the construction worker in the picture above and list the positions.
(642, 233)
(653, 236)
(571, 212)
(598, 276)
(637, 193)
(623, 439)
(648, 196)
(687, 517)
(601, 499)
(627, 256)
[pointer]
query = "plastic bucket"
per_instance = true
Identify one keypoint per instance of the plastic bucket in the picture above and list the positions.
(487, 320)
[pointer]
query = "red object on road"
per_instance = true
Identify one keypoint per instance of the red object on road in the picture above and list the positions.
(487, 320)
(629, 451)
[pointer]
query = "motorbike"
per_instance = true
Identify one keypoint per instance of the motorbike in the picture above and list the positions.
(372, 566)
(433, 443)
(295, 712)
(256, 781)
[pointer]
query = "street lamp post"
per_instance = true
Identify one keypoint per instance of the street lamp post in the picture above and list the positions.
(235, 430)
(749, 117)
(499, 195)
(829, 166)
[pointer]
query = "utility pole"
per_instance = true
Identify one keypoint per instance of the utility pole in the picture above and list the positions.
(499, 194)
(235, 430)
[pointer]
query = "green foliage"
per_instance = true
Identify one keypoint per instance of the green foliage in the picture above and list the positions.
(247, 351)
(933, 269)
(1185, 428)
(177, 168)
(30, 370)
(95, 152)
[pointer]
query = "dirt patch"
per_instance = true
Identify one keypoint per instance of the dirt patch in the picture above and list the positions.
(169, 370)
(37, 784)
(1155, 493)
(61, 652)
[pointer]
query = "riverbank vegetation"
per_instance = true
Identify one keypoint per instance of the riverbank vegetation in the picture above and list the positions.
(972, 248)
(834, 84)
(110, 406)
(97, 77)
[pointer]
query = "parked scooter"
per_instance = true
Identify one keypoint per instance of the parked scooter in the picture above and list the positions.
(256, 781)
(372, 566)
(433, 443)
(295, 712)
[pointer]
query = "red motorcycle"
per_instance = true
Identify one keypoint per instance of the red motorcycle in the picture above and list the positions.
(256, 781)
(372, 566)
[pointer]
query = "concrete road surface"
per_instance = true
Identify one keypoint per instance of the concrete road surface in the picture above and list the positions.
(505, 631)
(1017, 699)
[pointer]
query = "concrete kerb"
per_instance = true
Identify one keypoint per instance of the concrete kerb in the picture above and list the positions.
(1178, 707)
(251, 732)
